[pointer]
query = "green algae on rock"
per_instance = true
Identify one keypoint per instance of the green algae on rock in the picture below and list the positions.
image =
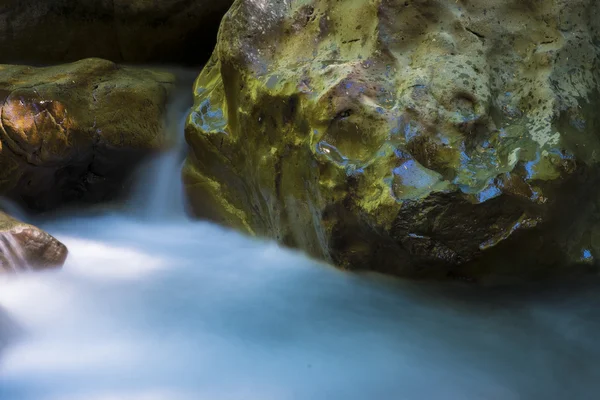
(416, 138)
(73, 132)
(23, 246)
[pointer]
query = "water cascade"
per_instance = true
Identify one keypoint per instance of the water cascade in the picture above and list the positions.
(12, 251)
(151, 306)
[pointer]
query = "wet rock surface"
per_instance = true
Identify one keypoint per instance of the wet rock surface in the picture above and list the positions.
(23, 246)
(416, 138)
(74, 132)
(130, 31)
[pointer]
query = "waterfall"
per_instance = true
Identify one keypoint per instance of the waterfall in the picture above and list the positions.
(152, 306)
(158, 193)
(12, 252)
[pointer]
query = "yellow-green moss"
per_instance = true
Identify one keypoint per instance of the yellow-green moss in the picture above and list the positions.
(407, 137)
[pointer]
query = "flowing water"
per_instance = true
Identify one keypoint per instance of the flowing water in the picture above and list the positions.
(154, 307)
(11, 250)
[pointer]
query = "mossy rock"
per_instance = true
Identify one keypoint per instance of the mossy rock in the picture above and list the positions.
(74, 132)
(416, 138)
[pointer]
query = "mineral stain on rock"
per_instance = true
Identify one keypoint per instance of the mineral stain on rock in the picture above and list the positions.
(416, 138)
(74, 132)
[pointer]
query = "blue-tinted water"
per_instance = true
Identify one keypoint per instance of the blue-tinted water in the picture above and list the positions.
(151, 306)
(189, 311)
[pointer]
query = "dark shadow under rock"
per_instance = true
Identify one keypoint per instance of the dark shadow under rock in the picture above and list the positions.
(130, 31)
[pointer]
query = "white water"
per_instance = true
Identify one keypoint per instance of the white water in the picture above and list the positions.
(159, 311)
(159, 190)
(151, 308)
(10, 248)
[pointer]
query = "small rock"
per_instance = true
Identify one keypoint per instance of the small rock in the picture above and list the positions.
(23, 247)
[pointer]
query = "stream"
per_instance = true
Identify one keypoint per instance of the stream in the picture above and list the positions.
(153, 306)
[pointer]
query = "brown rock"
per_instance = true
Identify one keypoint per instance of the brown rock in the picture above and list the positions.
(74, 132)
(23, 246)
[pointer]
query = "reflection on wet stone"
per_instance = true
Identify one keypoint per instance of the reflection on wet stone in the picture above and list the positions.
(491, 106)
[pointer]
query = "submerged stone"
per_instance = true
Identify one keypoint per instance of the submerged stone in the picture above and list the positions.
(74, 132)
(415, 138)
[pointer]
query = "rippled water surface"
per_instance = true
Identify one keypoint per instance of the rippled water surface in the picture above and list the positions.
(180, 310)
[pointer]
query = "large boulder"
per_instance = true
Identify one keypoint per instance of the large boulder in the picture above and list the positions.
(74, 132)
(23, 246)
(141, 31)
(418, 138)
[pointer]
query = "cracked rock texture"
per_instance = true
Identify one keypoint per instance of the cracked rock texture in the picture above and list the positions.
(131, 31)
(24, 246)
(421, 138)
(74, 132)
